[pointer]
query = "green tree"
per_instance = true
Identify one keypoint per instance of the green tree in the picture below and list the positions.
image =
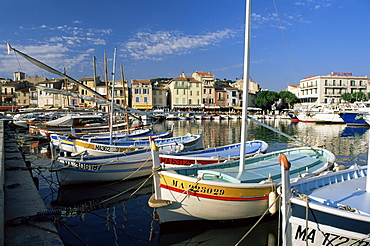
(265, 99)
(288, 99)
(346, 96)
(359, 96)
(353, 97)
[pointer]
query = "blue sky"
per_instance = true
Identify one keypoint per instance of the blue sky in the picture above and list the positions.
(163, 38)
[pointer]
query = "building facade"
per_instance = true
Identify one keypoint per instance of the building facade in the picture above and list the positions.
(142, 92)
(185, 93)
(328, 88)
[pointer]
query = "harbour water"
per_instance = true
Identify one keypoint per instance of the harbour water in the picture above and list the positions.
(118, 213)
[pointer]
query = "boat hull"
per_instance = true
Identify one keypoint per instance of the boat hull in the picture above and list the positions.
(335, 213)
(353, 118)
(331, 118)
(215, 192)
(213, 155)
(167, 145)
(327, 226)
(206, 201)
(83, 172)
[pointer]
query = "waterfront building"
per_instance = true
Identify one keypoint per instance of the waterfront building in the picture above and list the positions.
(8, 97)
(8, 92)
(185, 93)
(253, 89)
(316, 89)
(49, 100)
(91, 82)
(23, 97)
(234, 97)
(33, 97)
(142, 91)
(121, 93)
(208, 91)
(160, 95)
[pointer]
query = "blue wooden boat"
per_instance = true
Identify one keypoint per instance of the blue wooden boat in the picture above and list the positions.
(213, 155)
(330, 209)
(188, 142)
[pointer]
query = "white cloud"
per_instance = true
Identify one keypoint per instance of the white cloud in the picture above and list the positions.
(57, 56)
(149, 45)
(314, 4)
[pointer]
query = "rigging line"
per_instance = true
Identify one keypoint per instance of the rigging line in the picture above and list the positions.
(285, 43)
(19, 64)
(100, 69)
(277, 131)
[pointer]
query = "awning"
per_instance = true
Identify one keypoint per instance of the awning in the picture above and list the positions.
(9, 107)
(237, 107)
(142, 106)
(160, 107)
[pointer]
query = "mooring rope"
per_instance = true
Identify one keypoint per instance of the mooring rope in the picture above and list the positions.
(251, 229)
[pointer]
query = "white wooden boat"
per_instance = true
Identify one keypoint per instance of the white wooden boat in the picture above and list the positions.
(21, 120)
(206, 192)
(75, 125)
(330, 209)
(188, 142)
(94, 169)
(212, 155)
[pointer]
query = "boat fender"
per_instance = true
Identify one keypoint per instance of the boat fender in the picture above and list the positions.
(272, 202)
(157, 203)
(338, 167)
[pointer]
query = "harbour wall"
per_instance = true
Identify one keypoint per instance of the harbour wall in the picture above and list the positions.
(20, 201)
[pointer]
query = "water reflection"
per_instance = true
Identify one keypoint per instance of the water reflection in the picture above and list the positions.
(110, 215)
(353, 131)
(217, 233)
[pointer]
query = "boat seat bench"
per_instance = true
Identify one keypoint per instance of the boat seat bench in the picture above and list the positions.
(261, 170)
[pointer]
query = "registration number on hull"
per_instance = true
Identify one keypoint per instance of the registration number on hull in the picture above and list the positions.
(106, 148)
(84, 166)
(319, 237)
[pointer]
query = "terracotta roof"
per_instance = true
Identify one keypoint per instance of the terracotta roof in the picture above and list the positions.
(87, 79)
(190, 79)
(204, 74)
(137, 81)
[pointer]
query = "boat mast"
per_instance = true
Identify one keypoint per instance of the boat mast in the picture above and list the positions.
(66, 99)
(245, 87)
(94, 68)
(106, 82)
(368, 170)
(112, 98)
(124, 96)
